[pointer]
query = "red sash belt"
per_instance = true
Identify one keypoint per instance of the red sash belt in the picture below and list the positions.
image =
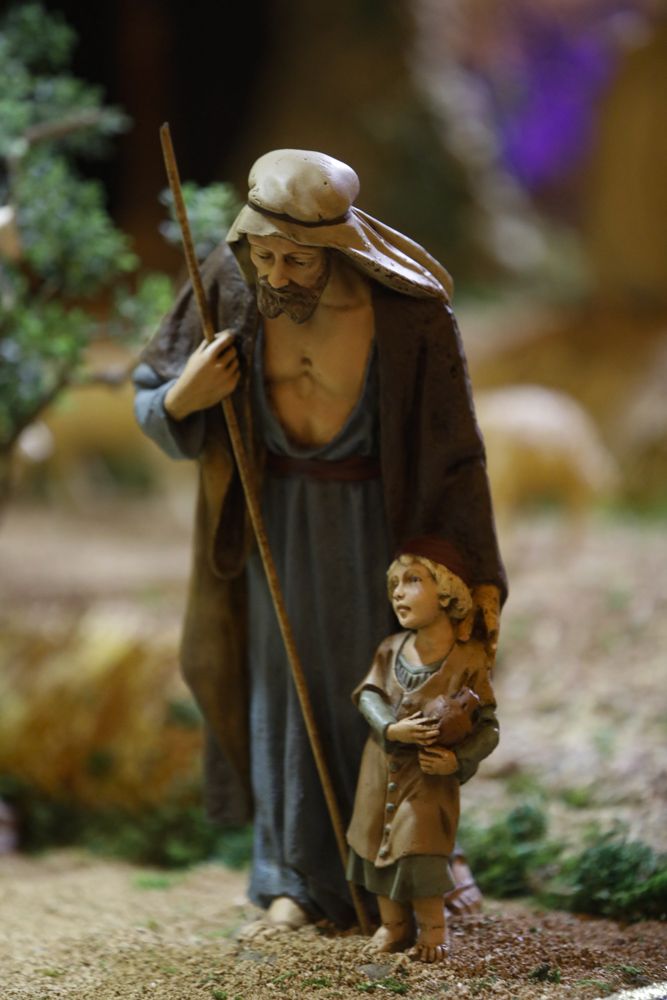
(345, 470)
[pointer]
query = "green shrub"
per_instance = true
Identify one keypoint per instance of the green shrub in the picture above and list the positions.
(176, 834)
(507, 856)
(67, 255)
(614, 877)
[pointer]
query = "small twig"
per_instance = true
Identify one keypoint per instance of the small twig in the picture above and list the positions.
(43, 131)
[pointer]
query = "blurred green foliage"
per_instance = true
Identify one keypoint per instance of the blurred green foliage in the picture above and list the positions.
(59, 249)
(36, 91)
(58, 246)
(545, 973)
(613, 877)
(610, 877)
(508, 856)
(175, 834)
(210, 211)
(513, 856)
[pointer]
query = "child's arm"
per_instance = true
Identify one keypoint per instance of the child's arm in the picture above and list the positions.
(377, 713)
(472, 751)
(380, 717)
(464, 758)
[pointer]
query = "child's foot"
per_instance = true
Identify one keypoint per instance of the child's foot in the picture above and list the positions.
(389, 937)
(432, 944)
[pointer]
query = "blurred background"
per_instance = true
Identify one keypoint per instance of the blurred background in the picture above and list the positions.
(523, 142)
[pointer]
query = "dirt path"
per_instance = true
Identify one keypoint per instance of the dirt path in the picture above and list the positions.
(79, 928)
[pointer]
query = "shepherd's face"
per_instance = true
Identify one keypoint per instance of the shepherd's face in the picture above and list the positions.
(290, 276)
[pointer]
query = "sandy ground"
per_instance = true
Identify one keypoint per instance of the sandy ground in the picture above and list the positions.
(76, 927)
(583, 701)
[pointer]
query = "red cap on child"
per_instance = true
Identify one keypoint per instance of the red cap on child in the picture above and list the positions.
(438, 550)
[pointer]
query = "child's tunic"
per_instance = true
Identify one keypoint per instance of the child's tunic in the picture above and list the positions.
(401, 813)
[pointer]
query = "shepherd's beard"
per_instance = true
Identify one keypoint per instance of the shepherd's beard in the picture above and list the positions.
(294, 300)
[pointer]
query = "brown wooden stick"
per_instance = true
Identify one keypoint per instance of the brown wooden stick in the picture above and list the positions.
(248, 482)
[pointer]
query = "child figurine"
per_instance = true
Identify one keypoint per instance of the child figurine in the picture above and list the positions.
(426, 692)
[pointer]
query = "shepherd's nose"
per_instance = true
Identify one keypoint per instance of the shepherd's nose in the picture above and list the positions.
(277, 277)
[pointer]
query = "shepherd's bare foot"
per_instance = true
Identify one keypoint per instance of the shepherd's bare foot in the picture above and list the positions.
(465, 898)
(283, 915)
(284, 912)
(390, 937)
(259, 930)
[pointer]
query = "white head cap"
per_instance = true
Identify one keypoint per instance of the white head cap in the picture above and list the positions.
(308, 197)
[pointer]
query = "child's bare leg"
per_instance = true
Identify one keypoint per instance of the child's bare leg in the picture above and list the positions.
(395, 931)
(431, 945)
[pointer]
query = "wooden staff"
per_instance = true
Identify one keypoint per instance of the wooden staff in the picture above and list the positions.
(248, 483)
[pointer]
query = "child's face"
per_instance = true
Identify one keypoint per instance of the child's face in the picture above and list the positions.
(414, 596)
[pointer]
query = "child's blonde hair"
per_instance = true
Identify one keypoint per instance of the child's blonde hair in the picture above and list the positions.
(453, 594)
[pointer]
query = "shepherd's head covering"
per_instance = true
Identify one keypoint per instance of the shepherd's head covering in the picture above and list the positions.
(309, 198)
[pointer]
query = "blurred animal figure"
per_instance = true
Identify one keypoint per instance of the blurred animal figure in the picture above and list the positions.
(542, 447)
(640, 433)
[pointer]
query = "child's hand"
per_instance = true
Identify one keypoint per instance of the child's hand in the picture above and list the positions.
(438, 760)
(415, 728)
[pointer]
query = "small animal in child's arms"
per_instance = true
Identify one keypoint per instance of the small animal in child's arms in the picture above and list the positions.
(456, 714)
